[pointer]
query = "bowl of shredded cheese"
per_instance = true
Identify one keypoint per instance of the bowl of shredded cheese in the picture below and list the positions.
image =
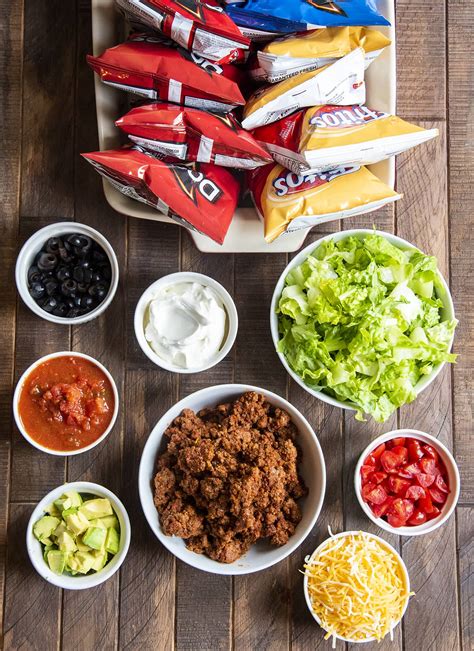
(356, 587)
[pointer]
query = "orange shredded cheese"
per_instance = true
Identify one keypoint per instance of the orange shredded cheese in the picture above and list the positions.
(356, 587)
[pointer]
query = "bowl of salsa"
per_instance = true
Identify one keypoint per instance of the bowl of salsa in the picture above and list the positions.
(65, 403)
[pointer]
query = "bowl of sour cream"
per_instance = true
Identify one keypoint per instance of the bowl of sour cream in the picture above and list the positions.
(186, 322)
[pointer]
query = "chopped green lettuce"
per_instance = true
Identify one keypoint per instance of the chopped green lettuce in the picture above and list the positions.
(361, 320)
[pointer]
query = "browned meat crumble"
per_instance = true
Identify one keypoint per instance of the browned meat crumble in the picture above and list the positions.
(229, 477)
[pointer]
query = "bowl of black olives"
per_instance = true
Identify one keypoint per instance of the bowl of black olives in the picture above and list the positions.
(67, 273)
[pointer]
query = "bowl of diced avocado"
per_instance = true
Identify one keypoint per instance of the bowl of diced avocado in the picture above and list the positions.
(78, 535)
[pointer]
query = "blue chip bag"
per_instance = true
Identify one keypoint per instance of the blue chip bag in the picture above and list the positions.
(299, 15)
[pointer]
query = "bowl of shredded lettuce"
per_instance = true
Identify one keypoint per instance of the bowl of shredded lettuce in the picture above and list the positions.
(363, 320)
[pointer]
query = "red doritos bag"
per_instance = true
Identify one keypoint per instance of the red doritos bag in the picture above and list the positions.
(145, 66)
(200, 196)
(200, 26)
(189, 134)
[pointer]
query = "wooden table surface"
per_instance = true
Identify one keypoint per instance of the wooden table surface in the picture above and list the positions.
(155, 602)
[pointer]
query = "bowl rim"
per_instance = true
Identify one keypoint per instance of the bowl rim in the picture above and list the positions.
(41, 235)
(144, 481)
(64, 581)
(388, 546)
(19, 387)
(186, 276)
(423, 383)
(451, 467)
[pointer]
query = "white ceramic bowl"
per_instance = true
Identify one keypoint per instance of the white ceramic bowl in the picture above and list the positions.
(186, 277)
(19, 386)
(447, 311)
(26, 258)
(453, 478)
(69, 582)
(262, 554)
(389, 548)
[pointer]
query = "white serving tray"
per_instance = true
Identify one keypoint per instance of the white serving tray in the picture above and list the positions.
(246, 231)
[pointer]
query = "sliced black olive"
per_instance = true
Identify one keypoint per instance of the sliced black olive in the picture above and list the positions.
(87, 302)
(36, 277)
(99, 255)
(87, 276)
(37, 290)
(74, 239)
(61, 310)
(66, 255)
(32, 271)
(69, 287)
(63, 273)
(96, 277)
(77, 301)
(49, 304)
(73, 313)
(82, 288)
(53, 245)
(82, 245)
(47, 262)
(70, 303)
(84, 263)
(78, 274)
(51, 287)
(99, 291)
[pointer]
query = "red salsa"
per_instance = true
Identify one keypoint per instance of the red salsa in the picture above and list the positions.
(66, 403)
(405, 482)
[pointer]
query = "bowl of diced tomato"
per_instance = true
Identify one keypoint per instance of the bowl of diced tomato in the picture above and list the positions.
(407, 482)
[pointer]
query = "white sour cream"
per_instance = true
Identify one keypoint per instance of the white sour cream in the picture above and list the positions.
(186, 324)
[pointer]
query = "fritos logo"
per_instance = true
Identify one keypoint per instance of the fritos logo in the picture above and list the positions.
(337, 117)
(288, 183)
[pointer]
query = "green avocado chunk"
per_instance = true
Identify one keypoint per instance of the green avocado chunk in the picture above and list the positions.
(56, 561)
(95, 537)
(105, 523)
(81, 546)
(77, 522)
(52, 509)
(45, 526)
(81, 562)
(97, 508)
(100, 560)
(112, 542)
(74, 498)
(66, 542)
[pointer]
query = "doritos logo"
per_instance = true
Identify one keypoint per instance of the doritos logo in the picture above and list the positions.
(191, 6)
(192, 181)
(288, 183)
(327, 5)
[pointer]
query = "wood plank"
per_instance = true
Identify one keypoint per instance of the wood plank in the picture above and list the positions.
(465, 545)
(90, 617)
(461, 166)
(32, 606)
(11, 67)
(422, 219)
(211, 623)
(421, 59)
(147, 587)
(265, 626)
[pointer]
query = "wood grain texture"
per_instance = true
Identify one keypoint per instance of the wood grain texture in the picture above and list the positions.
(461, 166)
(147, 587)
(465, 545)
(421, 59)
(423, 220)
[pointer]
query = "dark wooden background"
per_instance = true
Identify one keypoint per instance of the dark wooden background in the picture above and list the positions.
(47, 118)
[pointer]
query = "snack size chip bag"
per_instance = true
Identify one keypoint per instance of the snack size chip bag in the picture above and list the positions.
(146, 67)
(189, 134)
(201, 196)
(299, 15)
(341, 82)
(289, 202)
(325, 137)
(290, 55)
(197, 25)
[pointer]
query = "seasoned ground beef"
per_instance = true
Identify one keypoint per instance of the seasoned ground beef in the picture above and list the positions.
(229, 477)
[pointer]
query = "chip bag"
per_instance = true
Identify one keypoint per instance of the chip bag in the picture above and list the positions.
(189, 134)
(290, 55)
(289, 202)
(147, 67)
(299, 15)
(325, 137)
(197, 25)
(339, 83)
(200, 196)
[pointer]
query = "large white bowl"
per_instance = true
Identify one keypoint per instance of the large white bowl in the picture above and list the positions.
(312, 468)
(35, 550)
(389, 548)
(454, 480)
(447, 312)
(19, 387)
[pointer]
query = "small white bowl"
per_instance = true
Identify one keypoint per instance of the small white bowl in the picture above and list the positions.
(186, 277)
(447, 312)
(262, 554)
(453, 478)
(66, 581)
(16, 398)
(33, 245)
(389, 548)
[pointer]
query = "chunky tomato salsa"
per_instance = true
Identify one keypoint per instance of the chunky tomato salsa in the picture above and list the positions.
(66, 403)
